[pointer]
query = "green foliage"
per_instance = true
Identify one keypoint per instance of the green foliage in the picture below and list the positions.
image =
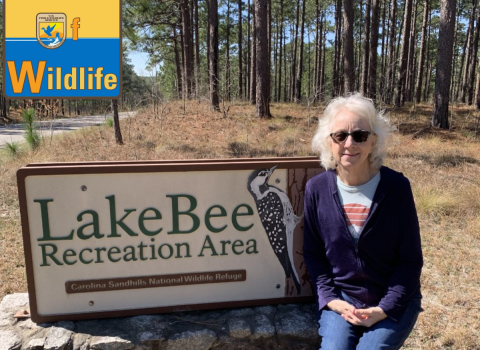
(13, 149)
(154, 27)
(31, 134)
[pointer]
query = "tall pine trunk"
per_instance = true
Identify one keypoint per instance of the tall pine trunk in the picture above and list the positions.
(473, 62)
(197, 52)
(391, 53)
(187, 48)
(285, 83)
(469, 53)
(298, 82)
(315, 64)
(279, 92)
(421, 62)
(411, 55)
(444, 64)
(294, 55)
(240, 63)
(321, 58)
(247, 85)
(275, 64)
(178, 64)
(385, 35)
(366, 49)
(337, 52)
(269, 38)
(460, 73)
(116, 122)
(348, 58)
(182, 51)
(402, 71)
(262, 58)
(372, 64)
(477, 88)
(227, 53)
(213, 53)
(253, 71)
(428, 73)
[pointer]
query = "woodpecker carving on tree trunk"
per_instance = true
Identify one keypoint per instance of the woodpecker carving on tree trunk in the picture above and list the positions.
(278, 219)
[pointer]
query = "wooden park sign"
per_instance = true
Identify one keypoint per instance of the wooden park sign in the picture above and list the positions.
(113, 239)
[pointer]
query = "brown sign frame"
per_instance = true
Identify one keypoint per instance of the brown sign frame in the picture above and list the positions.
(145, 167)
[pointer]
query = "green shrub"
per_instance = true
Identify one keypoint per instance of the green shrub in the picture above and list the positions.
(109, 122)
(13, 149)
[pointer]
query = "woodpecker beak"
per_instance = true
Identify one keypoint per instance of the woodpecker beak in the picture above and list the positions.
(271, 171)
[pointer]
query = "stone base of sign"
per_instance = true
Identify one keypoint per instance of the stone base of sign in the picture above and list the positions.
(276, 327)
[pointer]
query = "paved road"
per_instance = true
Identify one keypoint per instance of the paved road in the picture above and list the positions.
(14, 132)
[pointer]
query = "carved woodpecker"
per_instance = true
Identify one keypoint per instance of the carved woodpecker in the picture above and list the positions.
(277, 217)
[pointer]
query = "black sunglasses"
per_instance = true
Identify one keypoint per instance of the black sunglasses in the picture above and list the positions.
(358, 136)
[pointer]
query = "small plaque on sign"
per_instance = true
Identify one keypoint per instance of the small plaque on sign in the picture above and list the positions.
(109, 284)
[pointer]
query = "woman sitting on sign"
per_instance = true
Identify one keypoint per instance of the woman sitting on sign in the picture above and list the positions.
(362, 240)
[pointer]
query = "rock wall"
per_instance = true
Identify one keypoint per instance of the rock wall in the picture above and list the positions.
(278, 327)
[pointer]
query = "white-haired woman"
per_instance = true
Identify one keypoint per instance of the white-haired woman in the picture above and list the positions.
(362, 241)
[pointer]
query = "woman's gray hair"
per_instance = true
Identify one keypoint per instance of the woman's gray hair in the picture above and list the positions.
(362, 107)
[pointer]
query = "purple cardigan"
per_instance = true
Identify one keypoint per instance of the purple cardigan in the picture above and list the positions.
(384, 268)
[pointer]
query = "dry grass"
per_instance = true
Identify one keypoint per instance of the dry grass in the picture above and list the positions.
(443, 167)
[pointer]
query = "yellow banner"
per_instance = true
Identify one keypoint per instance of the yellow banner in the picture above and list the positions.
(98, 18)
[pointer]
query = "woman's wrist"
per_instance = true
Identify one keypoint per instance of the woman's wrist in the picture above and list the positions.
(340, 306)
(379, 310)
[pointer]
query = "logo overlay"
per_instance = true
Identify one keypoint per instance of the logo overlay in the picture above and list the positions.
(51, 29)
(74, 51)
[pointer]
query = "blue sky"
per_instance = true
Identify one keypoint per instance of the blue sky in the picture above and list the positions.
(139, 61)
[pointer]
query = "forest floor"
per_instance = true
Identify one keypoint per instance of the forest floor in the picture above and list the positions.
(443, 167)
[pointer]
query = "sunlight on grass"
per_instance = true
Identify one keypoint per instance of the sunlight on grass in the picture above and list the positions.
(434, 201)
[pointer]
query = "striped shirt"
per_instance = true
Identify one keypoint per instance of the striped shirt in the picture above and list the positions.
(356, 202)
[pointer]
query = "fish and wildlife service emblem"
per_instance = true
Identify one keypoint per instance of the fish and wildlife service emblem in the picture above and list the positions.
(51, 29)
